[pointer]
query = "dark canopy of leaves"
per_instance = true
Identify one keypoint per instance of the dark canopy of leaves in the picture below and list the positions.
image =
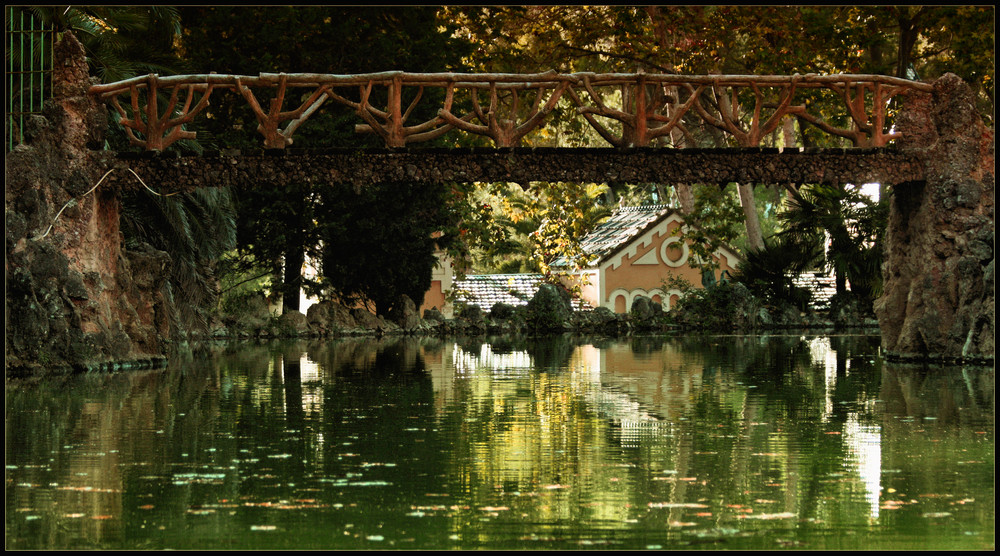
(377, 242)
(300, 39)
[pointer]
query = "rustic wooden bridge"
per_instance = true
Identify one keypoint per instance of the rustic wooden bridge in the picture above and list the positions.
(650, 109)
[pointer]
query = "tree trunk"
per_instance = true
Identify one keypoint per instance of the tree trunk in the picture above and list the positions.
(685, 194)
(840, 280)
(755, 237)
(909, 31)
(788, 134)
(294, 259)
(661, 194)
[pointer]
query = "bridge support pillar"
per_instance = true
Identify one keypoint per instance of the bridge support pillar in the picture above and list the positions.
(938, 299)
(73, 299)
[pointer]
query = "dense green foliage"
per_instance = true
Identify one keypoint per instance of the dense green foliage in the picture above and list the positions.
(722, 306)
(378, 242)
(768, 272)
(120, 41)
(291, 39)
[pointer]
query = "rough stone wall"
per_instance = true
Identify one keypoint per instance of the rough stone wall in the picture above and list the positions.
(938, 296)
(520, 165)
(74, 298)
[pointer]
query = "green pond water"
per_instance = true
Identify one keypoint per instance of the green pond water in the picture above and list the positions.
(722, 442)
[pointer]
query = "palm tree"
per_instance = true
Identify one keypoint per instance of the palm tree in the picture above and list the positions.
(767, 272)
(120, 41)
(854, 225)
(196, 229)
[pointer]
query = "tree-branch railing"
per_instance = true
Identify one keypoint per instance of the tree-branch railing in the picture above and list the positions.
(646, 107)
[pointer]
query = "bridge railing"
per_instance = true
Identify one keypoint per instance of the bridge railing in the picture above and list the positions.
(506, 107)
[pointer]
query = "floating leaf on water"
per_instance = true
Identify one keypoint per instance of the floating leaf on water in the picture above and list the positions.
(263, 527)
(782, 515)
(375, 538)
(369, 483)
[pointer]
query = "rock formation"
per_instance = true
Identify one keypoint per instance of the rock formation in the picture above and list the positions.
(75, 298)
(938, 295)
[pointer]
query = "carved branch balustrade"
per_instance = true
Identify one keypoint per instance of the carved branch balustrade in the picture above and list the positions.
(647, 107)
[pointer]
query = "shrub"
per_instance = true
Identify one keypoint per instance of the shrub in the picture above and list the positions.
(550, 308)
(502, 311)
(722, 306)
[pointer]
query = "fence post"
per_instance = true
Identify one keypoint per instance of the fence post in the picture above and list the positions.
(29, 47)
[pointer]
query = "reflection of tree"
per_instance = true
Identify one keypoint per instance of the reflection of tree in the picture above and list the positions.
(549, 352)
(99, 434)
(695, 437)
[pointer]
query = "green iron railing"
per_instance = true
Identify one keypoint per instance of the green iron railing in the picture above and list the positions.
(29, 69)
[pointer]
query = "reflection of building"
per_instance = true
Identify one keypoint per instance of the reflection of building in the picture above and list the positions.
(863, 441)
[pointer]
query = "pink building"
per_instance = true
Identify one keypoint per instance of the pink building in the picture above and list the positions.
(637, 252)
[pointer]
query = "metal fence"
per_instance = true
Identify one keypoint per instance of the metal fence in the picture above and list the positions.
(29, 69)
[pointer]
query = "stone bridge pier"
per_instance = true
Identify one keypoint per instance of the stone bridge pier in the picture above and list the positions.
(938, 294)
